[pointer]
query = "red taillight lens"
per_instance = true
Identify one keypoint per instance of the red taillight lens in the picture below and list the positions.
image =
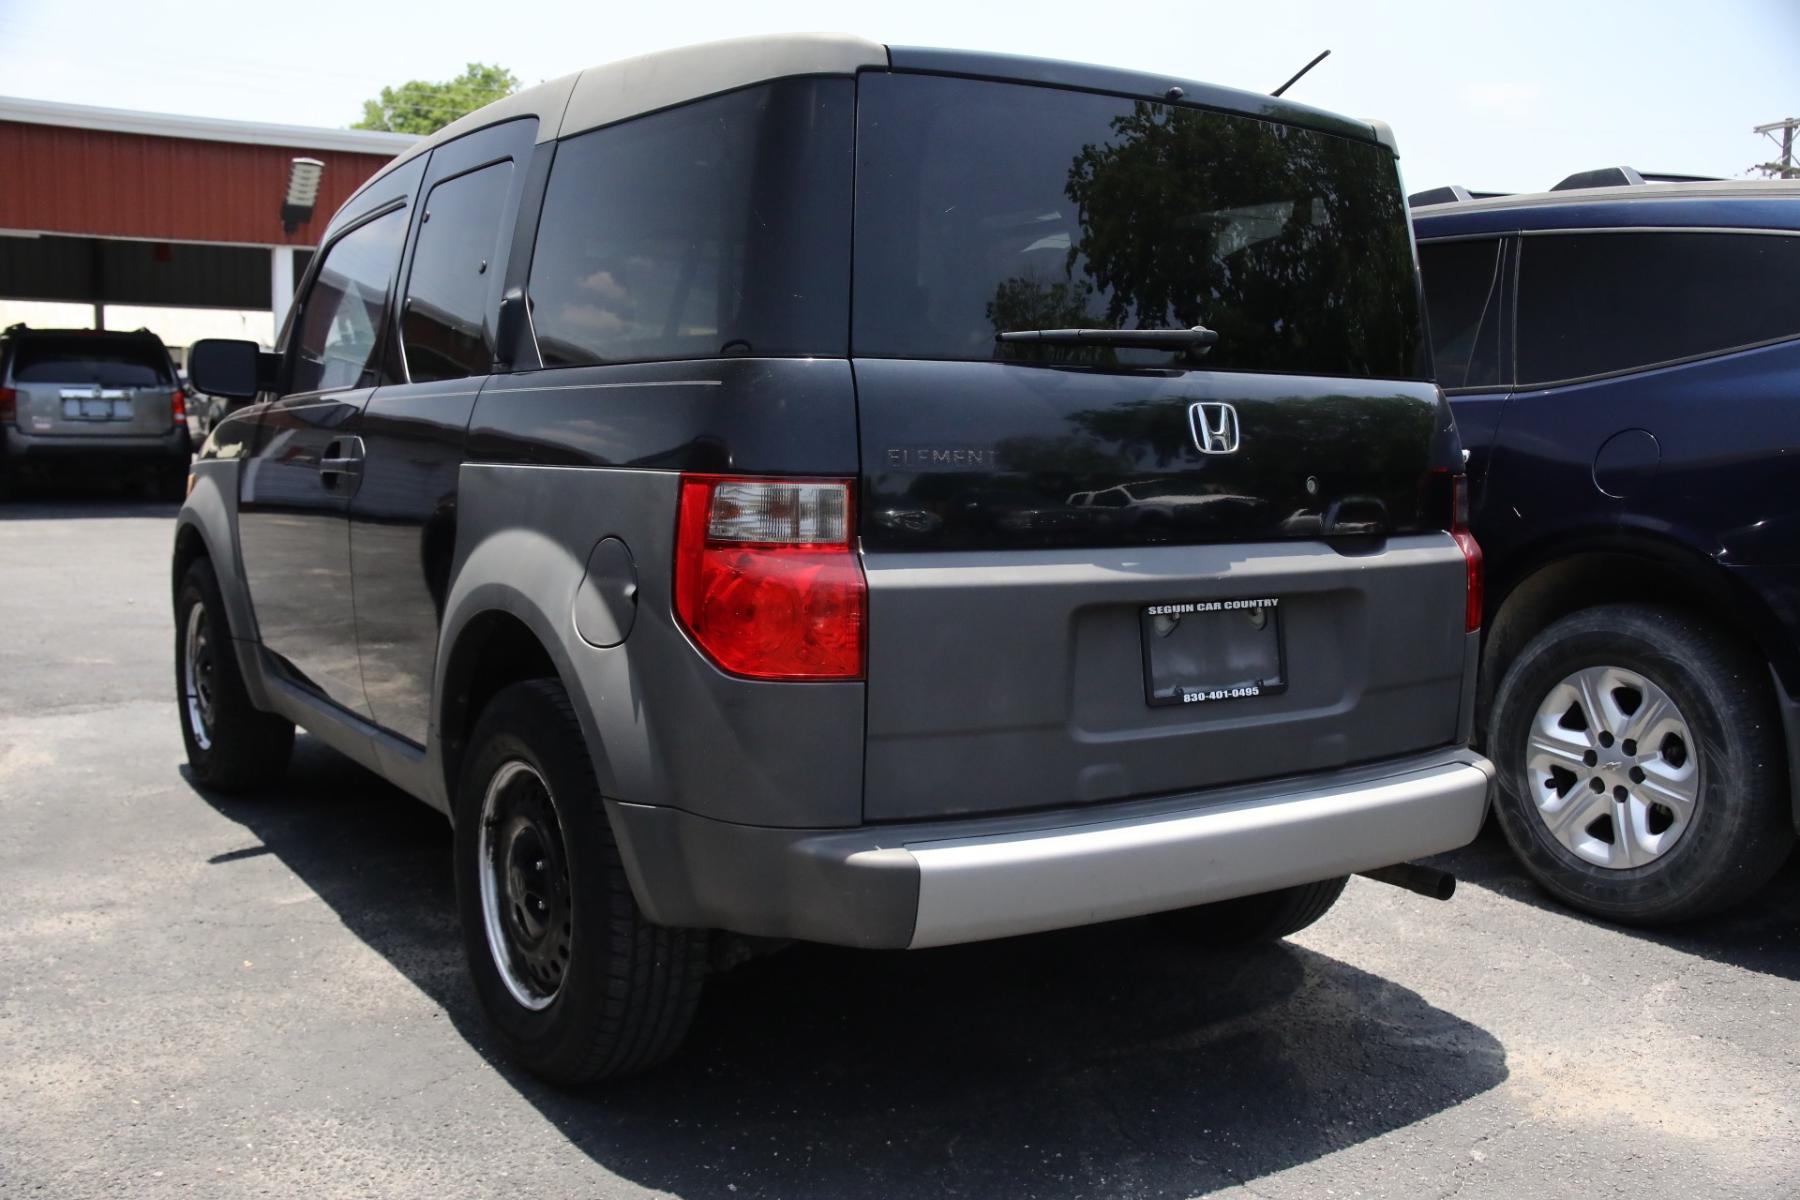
(9, 405)
(767, 581)
(178, 406)
(1459, 529)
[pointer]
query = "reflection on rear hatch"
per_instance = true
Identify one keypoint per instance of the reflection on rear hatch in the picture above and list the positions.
(1096, 572)
(985, 208)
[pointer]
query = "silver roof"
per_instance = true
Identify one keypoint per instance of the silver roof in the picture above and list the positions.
(613, 92)
(1773, 189)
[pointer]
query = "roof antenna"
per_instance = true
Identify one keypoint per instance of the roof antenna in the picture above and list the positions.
(1297, 74)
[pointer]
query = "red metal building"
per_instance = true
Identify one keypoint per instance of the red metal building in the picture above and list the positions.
(109, 206)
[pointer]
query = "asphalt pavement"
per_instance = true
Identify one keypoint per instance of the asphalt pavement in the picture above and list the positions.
(211, 996)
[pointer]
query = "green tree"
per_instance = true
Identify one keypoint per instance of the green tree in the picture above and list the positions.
(418, 106)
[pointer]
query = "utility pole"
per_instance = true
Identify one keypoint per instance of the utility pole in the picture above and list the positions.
(1785, 167)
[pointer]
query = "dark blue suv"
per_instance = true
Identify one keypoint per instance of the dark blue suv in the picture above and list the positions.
(1624, 365)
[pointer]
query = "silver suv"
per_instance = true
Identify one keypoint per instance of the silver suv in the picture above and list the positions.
(92, 401)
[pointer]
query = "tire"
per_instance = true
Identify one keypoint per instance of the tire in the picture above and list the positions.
(1254, 920)
(232, 746)
(618, 995)
(1689, 817)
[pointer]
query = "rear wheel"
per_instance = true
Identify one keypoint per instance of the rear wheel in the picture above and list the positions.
(232, 746)
(578, 984)
(1642, 767)
(1251, 920)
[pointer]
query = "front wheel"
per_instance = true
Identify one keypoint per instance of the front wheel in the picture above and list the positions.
(1642, 766)
(232, 746)
(1253, 920)
(578, 984)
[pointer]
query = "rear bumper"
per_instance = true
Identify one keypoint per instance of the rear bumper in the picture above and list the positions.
(938, 883)
(173, 445)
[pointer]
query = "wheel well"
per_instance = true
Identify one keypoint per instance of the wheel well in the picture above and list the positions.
(1566, 585)
(494, 650)
(189, 546)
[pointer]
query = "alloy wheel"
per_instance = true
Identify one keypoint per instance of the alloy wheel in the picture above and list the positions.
(1613, 767)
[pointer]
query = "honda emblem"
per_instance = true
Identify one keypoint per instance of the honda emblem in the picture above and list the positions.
(1215, 427)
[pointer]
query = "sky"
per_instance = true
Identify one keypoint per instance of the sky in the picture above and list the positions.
(1494, 96)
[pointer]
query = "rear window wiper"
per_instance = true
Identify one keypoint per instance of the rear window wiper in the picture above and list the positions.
(1191, 341)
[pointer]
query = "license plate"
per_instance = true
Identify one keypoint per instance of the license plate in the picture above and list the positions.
(1205, 651)
(95, 409)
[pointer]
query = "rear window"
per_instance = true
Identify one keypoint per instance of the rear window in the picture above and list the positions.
(984, 207)
(91, 358)
(718, 228)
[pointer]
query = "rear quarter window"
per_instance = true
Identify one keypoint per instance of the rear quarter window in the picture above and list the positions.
(984, 207)
(442, 324)
(88, 358)
(1462, 290)
(1598, 303)
(718, 228)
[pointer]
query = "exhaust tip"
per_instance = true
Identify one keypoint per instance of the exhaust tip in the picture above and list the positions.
(1426, 881)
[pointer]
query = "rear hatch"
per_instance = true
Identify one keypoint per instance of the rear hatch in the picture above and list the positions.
(1098, 571)
(93, 384)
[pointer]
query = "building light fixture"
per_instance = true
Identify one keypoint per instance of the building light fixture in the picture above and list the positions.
(302, 193)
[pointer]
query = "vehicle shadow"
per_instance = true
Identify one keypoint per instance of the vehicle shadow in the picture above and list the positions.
(1763, 934)
(1108, 1059)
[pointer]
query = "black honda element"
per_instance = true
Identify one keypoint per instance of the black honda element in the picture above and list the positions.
(801, 489)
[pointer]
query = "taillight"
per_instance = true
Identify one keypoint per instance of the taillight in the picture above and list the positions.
(9, 405)
(767, 581)
(1459, 529)
(177, 406)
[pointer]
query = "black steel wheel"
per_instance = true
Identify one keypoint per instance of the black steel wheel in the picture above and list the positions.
(577, 982)
(232, 746)
(525, 896)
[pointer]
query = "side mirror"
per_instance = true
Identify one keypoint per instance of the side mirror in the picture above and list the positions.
(228, 367)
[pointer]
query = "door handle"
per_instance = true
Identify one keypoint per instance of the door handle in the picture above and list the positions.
(343, 456)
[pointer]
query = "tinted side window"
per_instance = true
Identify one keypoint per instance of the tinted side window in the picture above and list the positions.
(989, 207)
(1462, 284)
(334, 344)
(718, 228)
(442, 328)
(1598, 302)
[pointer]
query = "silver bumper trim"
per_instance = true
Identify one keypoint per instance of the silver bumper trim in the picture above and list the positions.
(975, 888)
